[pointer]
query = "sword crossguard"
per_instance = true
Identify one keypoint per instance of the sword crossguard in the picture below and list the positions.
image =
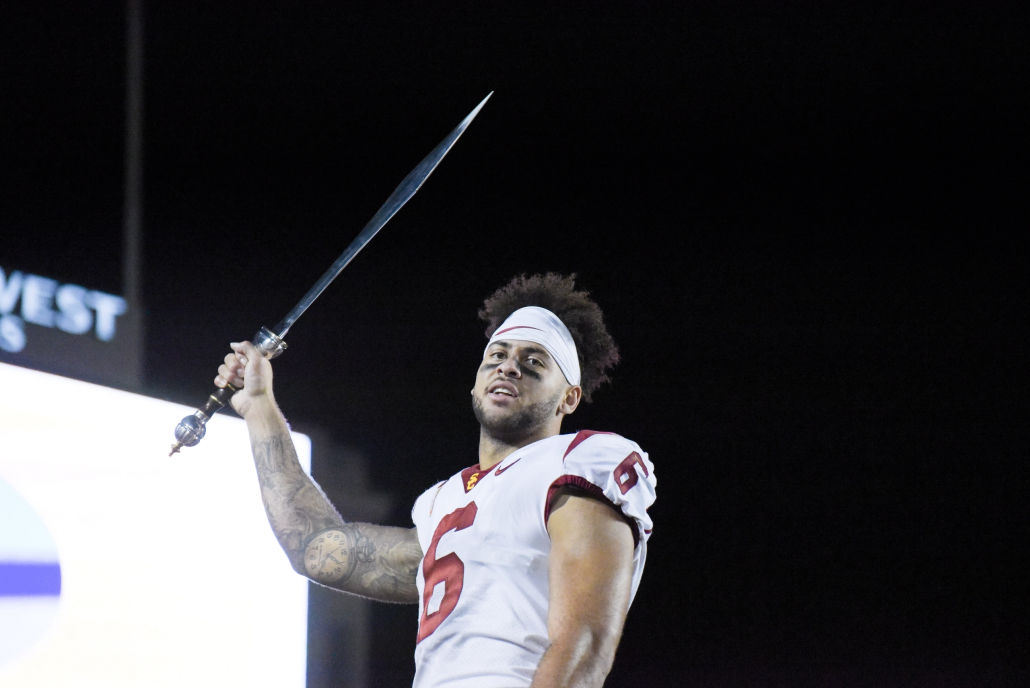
(269, 343)
(192, 429)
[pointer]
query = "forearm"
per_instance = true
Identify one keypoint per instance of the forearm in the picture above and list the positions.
(295, 506)
(582, 660)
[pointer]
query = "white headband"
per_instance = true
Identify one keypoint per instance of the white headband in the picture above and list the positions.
(535, 324)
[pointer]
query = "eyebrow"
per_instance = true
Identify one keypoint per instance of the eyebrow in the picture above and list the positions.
(535, 350)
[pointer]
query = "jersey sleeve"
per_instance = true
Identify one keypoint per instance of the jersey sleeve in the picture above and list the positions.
(611, 466)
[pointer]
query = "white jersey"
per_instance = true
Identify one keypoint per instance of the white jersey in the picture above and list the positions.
(483, 581)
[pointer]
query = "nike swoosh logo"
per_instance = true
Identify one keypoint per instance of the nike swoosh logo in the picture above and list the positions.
(502, 470)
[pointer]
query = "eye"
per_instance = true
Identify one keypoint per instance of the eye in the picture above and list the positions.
(533, 360)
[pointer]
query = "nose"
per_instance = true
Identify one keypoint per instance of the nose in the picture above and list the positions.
(510, 368)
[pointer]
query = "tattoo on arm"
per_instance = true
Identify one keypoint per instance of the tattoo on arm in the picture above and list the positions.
(375, 561)
(294, 504)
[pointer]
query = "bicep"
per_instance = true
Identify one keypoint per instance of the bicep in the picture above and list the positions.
(591, 571)
(379, 562)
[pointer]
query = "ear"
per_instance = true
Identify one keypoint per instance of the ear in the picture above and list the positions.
(569, 402)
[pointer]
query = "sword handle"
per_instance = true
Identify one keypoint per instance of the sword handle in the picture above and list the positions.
(192, 429)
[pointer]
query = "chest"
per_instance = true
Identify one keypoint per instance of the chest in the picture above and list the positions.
(496, 514)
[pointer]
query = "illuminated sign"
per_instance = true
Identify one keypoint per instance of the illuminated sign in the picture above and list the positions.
(69, 329)
(68, 307)
(121, 567)
(30, 576)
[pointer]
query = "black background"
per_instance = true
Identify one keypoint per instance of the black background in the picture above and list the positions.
(802, 222)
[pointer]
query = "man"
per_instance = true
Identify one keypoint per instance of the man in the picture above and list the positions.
(524, 565)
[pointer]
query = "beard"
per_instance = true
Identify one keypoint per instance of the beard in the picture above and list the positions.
(514, 426)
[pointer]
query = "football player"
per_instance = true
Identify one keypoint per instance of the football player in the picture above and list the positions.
(524, 564)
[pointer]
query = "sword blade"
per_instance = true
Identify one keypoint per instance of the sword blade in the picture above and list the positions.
(401, 195)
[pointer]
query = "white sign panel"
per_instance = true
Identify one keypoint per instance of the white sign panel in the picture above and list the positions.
(120, 566)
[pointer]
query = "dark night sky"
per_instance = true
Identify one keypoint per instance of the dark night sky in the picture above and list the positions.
(800, 223)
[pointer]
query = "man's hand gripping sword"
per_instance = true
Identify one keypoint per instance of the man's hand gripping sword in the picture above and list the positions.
(270, 342)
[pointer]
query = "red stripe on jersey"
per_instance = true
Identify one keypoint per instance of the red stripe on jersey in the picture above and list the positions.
(580, 436)
(594, 491)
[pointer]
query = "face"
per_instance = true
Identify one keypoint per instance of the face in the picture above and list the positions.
(520, 389)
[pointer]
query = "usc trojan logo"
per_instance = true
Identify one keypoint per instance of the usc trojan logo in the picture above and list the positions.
(473, 479)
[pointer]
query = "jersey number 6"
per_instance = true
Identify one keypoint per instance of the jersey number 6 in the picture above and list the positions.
(449, 570)
(625, 473)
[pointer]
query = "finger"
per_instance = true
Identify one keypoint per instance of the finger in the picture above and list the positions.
(230, 375)
(233, 365)
(231, 361)
(220, 382)
(248, 350)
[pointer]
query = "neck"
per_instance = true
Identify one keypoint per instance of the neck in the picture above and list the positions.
(494, 449)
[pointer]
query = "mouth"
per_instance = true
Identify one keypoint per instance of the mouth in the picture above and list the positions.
(502, 391)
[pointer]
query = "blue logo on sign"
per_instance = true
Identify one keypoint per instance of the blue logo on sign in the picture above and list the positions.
(30, 575)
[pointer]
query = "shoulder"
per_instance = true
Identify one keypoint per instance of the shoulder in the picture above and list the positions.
(609, 465)
(423, 508)
(602, 449)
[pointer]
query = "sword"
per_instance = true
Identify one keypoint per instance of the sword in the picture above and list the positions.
(270, 343)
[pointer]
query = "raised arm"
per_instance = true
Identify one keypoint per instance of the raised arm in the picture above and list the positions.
(369, 560)
(591, 574)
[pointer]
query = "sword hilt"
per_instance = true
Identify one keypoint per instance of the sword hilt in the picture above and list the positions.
(192, 429)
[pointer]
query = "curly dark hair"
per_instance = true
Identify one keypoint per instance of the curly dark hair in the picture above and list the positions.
(557, 293)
